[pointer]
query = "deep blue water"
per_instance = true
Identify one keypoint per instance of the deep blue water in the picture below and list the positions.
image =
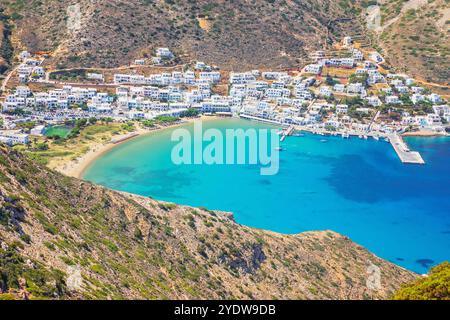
(356, 187)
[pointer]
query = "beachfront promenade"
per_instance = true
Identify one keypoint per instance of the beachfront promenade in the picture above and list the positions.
(403, 151)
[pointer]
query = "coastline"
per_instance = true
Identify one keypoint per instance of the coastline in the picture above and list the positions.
(424, 134)
(76, 168)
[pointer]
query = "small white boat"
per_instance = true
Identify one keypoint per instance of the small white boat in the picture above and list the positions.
(376, 138)
(279, 149)
(323, 140)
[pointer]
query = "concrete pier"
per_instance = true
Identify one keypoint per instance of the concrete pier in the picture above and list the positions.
(402, 150)
(286, 133)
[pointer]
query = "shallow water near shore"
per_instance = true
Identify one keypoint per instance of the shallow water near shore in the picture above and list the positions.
(356, 187)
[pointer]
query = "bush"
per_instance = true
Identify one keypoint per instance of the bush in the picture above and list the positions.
(138, 234)
(436, 286)
(41, 283)
(189, 113)
(42, 146)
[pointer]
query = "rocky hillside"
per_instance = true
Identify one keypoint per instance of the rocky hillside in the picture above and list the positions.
(64, 238)
(6, 49)
(414, 34)
(236, 34)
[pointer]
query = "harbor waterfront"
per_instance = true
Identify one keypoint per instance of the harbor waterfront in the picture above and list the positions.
(357, 187)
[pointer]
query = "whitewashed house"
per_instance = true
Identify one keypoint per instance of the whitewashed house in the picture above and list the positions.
(392, 100)
(416, 98)
(434, 98)
(357, 55)
(12, 138)
(341, 109)
(122, 78)
(339, 87)
(313, 68)
(95, 76)
(347, 41)
(23, 91)
(24, 55)
(354, 88)
(441, 110)
(200, 65)
(402, 89)
(164, 53)
(38, 130)
(213, 76)
(416, 89)
(375, 56)
(325, 91)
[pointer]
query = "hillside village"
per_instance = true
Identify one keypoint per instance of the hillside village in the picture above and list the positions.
(352, 93)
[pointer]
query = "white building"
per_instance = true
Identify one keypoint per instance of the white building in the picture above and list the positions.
(313, 68)
(24, 55)
(95, 76)
(354, 88)
(357, 55)
(12, 138)
(339, 87)
(375, 56)
(213, 76)
(341, 108)
(164, 53)
(325, 91)
(38, 130)
(392, 100)
(23, 91)
(434, 98)
(416, 98)
(347, 41)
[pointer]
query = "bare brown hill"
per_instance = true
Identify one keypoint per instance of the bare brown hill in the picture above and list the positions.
(236, 34)
(233, 34)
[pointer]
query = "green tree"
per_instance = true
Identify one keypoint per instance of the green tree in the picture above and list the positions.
(191, 112)
(330, 81)
(42, 146)
(435, 286)
(358, 78)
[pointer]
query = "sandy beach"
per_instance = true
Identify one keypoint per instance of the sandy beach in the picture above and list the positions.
(75, 168)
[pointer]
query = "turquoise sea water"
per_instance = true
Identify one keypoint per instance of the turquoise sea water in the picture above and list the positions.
(356, 187)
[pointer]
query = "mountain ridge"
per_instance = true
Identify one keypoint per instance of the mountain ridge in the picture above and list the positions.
(231, 34)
